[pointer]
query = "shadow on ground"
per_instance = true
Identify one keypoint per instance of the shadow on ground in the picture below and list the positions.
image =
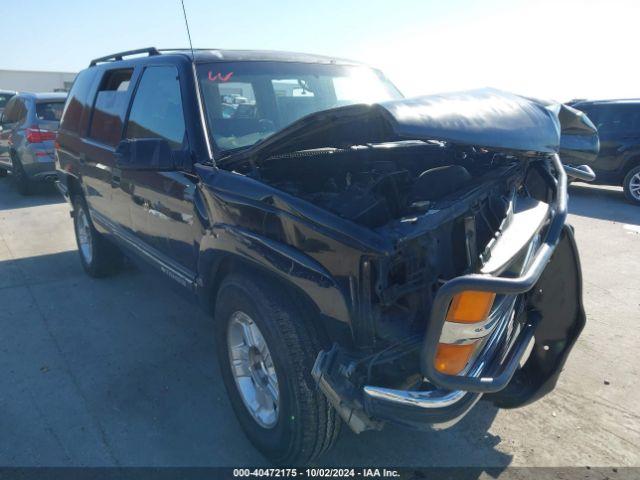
(604, 203)
(41, 194)
(123, 371)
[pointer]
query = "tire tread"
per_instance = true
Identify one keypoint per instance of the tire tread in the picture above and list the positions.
(320, 425)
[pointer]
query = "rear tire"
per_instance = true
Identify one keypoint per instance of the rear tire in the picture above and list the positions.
(631, 185)
(22, 182)
(98, 256)
(305, 425)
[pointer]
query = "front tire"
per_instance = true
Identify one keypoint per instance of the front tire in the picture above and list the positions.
(286, 418)
(3, 173)
(99, 258)
(631, 185)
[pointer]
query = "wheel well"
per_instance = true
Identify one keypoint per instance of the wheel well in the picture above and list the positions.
(631, 163)
(230, 264)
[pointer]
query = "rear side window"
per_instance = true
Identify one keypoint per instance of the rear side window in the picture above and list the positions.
(156, 111)
(4, 98)
(110, 106)
(615, 120)
(16, 112)
(78, 106)
(9, 114)
(49, 111)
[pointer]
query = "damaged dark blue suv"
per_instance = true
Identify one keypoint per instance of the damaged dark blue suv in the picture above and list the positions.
(367, 258)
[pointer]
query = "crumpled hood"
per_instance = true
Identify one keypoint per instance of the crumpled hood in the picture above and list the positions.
(486, 118)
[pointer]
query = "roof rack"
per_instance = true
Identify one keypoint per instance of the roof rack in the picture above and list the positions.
(119, 56)
(185, 49)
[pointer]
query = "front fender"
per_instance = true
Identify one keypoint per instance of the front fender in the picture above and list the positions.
(288, 263)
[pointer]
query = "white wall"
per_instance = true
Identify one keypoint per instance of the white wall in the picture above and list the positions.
(30, 81)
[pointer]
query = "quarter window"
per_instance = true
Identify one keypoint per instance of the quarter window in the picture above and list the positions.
(110, 106)
(156, 111)
(15, 112)
(8, 116)
(78, 106)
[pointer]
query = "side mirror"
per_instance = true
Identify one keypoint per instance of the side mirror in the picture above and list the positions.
(581, 172)
(146, 154)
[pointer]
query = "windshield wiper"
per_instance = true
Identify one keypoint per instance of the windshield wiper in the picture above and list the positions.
(228, 153)
(231, 151)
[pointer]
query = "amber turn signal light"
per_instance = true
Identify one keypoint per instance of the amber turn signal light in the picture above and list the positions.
(470, 306)
(452, 358)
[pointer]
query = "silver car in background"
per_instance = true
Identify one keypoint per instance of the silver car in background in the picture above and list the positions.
(28, 128)
(5, 96)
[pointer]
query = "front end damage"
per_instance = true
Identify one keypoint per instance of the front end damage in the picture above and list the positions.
(520, 346)
(478, 294)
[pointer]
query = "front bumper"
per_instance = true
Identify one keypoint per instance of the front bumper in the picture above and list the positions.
(513, 368)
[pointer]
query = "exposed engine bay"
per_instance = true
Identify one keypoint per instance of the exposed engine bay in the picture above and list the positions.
(392, 187)
(443, 206)
(375, 184)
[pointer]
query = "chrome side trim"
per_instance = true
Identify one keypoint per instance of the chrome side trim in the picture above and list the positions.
(178, 273)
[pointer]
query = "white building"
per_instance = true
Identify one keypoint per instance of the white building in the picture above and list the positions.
(33, 81)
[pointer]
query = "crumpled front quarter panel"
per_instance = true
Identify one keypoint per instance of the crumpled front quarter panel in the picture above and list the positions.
(261, 225)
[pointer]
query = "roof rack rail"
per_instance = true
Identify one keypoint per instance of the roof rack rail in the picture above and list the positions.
(119, 56)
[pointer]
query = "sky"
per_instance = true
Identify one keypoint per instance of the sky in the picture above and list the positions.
(560, 49)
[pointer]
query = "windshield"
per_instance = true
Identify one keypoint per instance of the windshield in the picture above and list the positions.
(246, 102)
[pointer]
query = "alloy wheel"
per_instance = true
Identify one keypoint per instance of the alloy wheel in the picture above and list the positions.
(634, 186)
(253, 369)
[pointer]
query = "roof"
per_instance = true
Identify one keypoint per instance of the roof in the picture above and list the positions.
(8, 91)
(213, 55)
(44, 95)
(206, 55)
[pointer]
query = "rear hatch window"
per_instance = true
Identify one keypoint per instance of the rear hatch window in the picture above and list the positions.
(48, 114)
